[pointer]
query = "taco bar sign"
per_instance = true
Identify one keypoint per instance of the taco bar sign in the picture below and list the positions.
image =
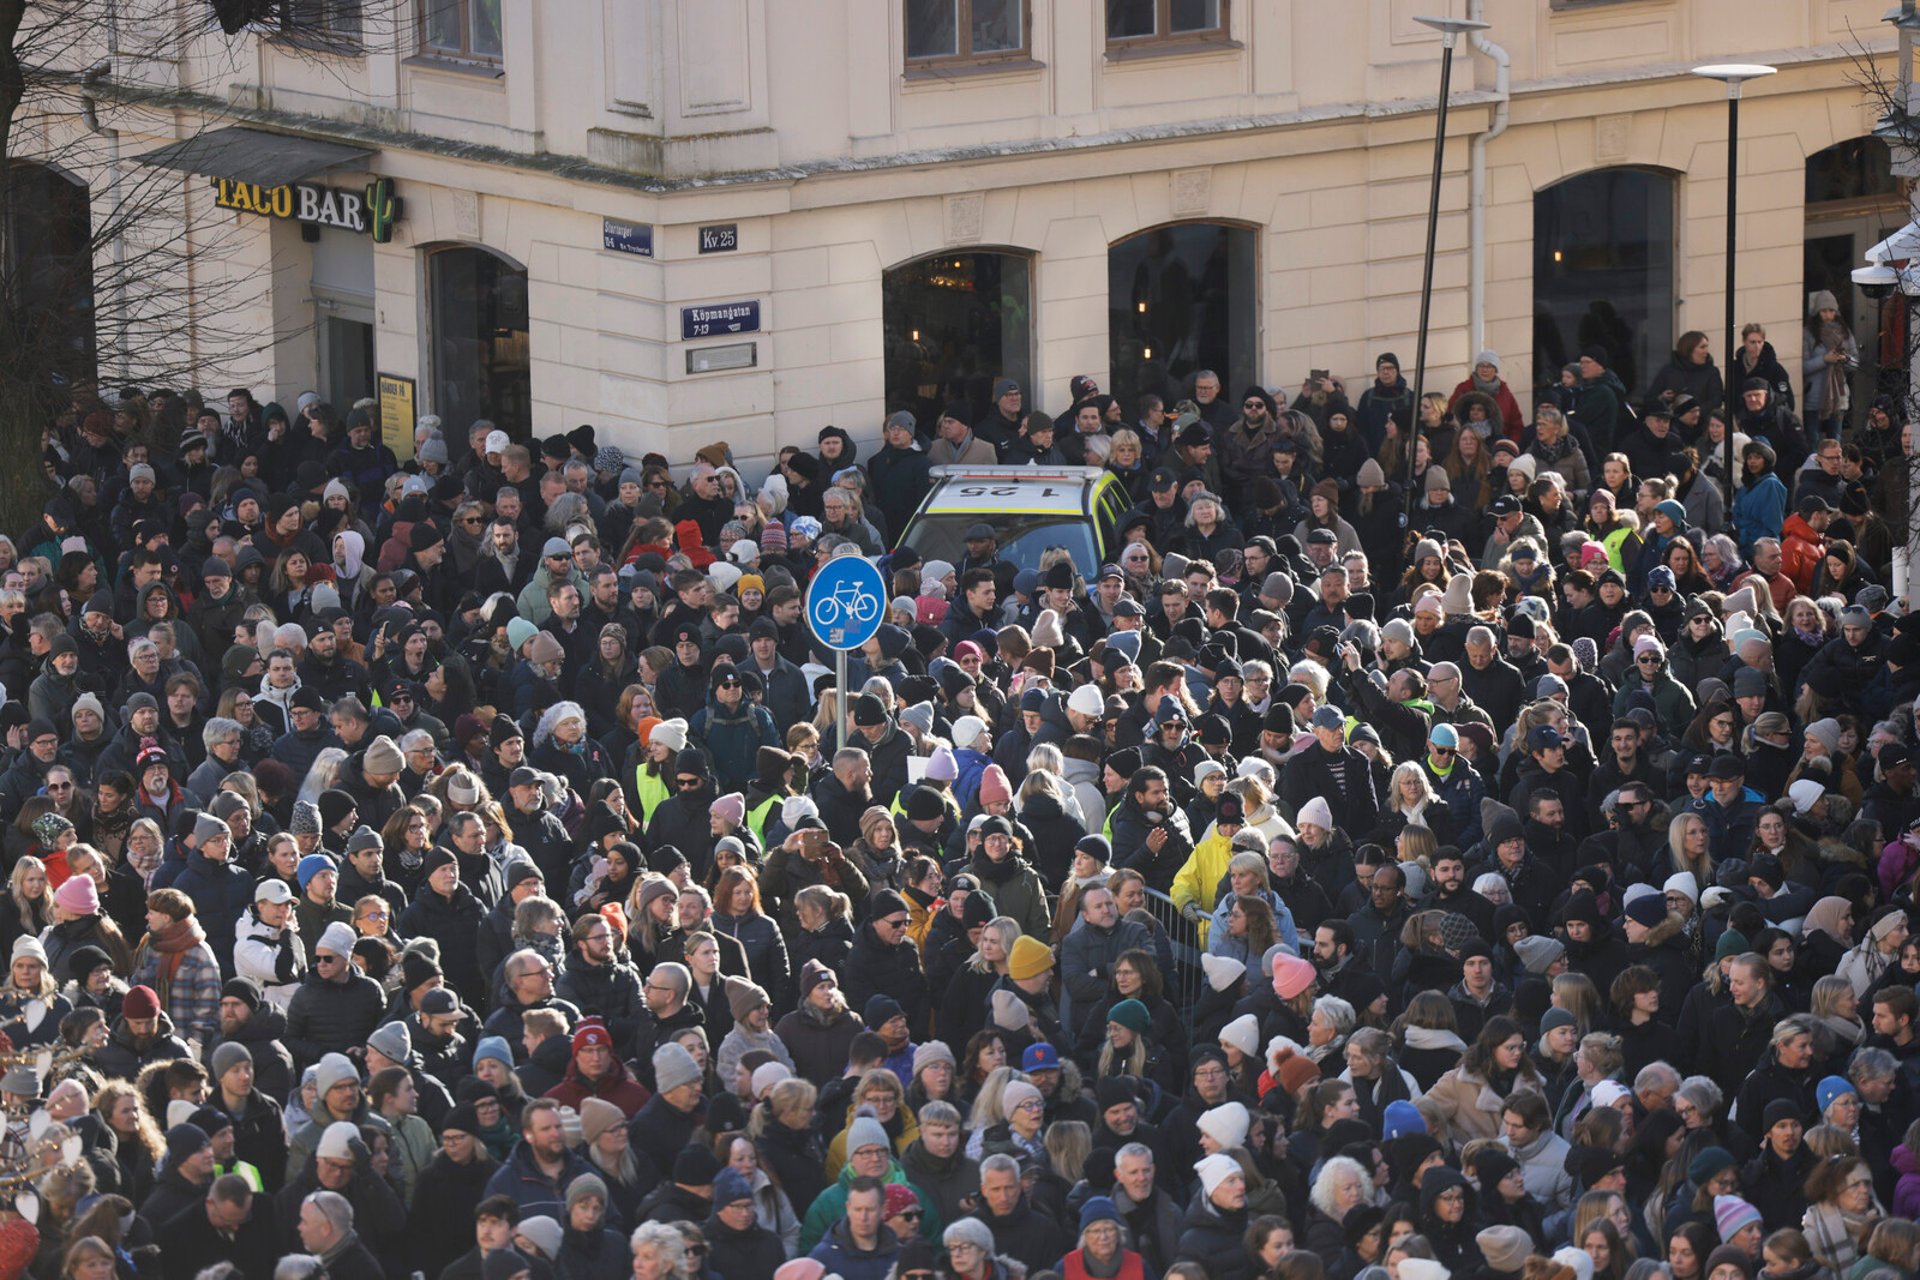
(370, 211)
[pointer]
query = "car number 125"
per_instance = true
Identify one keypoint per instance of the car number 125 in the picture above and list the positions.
(1004, 491)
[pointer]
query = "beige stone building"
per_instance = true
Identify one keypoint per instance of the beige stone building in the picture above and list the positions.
(683, 220)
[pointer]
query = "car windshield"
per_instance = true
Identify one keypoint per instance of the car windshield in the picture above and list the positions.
(1023, 539)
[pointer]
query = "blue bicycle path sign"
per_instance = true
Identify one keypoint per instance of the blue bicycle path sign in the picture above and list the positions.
(845, 602)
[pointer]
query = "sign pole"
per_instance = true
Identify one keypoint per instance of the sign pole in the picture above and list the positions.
(845, 708)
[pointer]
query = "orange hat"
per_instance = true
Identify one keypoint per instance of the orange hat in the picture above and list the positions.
(616, 917)
(644, 729)
(1291, 1071)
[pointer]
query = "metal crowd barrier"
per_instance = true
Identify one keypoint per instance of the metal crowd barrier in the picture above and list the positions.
(1185, 978)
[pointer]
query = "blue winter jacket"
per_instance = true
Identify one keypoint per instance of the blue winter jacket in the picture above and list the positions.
(1758, 510)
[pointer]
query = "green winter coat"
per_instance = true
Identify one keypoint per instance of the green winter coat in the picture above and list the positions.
(831, 1205)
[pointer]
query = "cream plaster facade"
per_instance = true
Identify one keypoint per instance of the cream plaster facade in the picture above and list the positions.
(795, 120)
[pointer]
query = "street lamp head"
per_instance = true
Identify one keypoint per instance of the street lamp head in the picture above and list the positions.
(1733, 74)
(1451, 28)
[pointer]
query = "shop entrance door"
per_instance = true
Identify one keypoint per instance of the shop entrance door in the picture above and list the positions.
(346, 356)
(1834, 247)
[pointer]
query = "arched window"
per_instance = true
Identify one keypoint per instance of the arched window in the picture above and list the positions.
(955, 322)
(48, 241)
(1180, 299)
(1857, 169)
(1603, 272)
(481, 367)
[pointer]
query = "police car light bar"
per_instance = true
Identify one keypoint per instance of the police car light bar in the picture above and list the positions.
(1075, 474)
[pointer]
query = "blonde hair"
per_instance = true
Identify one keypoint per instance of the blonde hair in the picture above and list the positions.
(988, 1108)
(24, 904)
(1007, 929)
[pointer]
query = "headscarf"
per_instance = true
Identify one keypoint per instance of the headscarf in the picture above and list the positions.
(1826, 916)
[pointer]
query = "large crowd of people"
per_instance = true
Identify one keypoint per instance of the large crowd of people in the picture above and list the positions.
(470, 868)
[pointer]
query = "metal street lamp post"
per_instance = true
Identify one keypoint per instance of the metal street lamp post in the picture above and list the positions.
(1733, 75)
(1450, 30)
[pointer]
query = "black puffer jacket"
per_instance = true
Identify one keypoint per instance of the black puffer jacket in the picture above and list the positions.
(796, 1160)
(264, 1035)
(876, 968)
(259, 1136)
(443, 1204)
(455, 924)
(831, 945)
(332, 1017)
(545, 841)
(753, 1252)
(609, 991)
(685, 822)
(1212, 1238)
(1029, 1236)
(1055, 833)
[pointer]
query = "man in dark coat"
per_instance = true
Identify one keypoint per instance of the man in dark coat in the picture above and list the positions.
(684, 820)
(1150, 833)
(886, 747)
(326, 1231)
(1332, 769)
(535, 829)
(601, 978)
(236, 1102)
(1216, 1221)
(231, 1224)
(450, 1191)
(898, 472)
(337, 1006)
(250, 1022)
(1739, 1033)
(885, 961)
(1019, 1231)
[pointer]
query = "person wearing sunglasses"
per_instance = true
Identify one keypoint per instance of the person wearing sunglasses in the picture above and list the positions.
(1672, 701)
(338, 1006)
(1453, 779)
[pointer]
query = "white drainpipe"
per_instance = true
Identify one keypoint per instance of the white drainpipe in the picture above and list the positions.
(1477, 182)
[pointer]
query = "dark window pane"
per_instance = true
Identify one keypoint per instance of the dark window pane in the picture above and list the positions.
(1603, 272)
(47, 286)
(997, 27)
(954, 323)
(1188, 16)
(933, 29)
(1181, 299)
(1127, 18)
(343, 18)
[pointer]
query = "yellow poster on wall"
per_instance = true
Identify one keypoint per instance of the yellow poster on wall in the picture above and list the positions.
(397, 415)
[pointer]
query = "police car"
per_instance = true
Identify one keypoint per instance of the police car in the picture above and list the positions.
(1029, 509)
